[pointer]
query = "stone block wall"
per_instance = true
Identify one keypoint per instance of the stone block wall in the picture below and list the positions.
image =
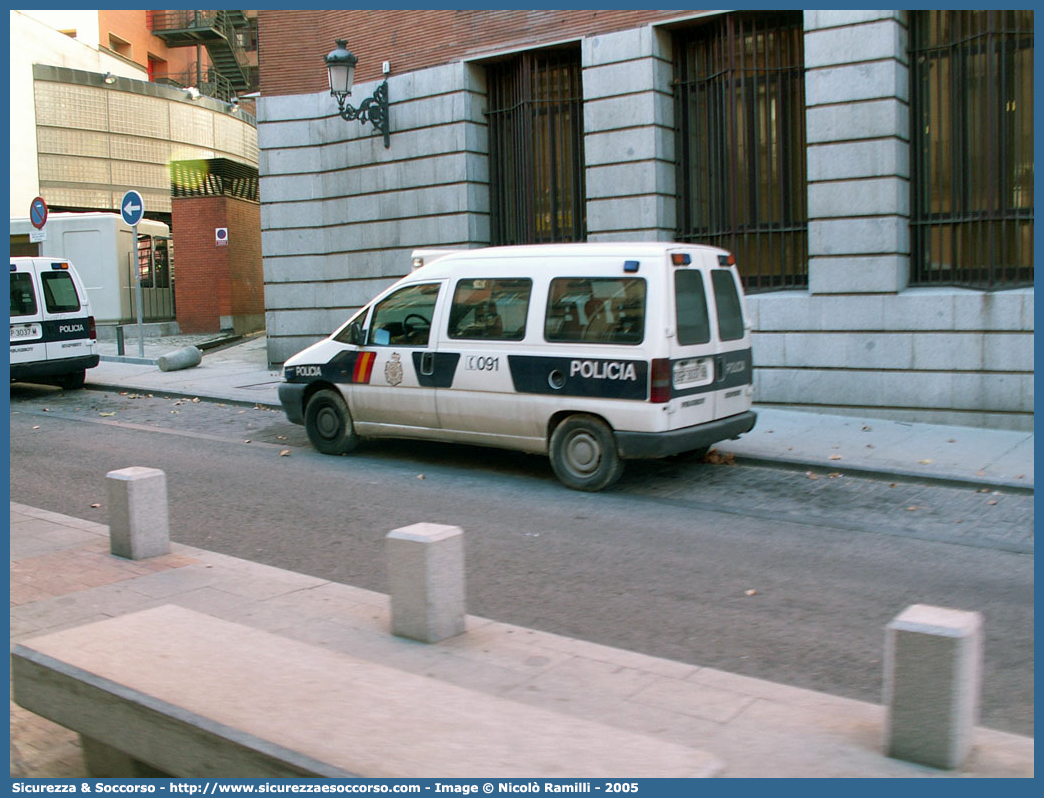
(341, 214)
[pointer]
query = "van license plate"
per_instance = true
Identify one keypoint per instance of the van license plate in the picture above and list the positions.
(25, 332)
(691, 372)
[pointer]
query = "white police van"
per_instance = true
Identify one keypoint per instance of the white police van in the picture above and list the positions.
(591, 353)
(53, 334)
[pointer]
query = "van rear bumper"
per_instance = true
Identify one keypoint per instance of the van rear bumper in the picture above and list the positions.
(52, 368)
(641, 445)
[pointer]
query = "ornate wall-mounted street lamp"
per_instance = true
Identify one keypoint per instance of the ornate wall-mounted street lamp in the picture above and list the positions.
(340, 65)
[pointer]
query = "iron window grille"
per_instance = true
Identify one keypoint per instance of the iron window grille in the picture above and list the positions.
(972, 148)
(536, 154)
(740, 138)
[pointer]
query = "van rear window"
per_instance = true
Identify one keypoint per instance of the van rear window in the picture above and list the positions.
(59, 292)
(602, 310)
(730, 311)
(23, 297)
(690, 305)
(490, 309)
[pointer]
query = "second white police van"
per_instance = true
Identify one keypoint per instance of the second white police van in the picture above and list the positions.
(590, 353)
(54, 337)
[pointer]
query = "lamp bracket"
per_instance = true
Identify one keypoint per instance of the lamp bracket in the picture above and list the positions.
(373, 110)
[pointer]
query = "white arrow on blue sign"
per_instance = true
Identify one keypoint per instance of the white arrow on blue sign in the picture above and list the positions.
(132, 208)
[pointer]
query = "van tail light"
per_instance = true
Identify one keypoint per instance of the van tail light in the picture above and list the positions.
(92, 328)
(660, 389)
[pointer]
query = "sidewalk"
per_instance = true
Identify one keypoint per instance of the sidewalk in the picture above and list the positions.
(62, 575)
(982, 457)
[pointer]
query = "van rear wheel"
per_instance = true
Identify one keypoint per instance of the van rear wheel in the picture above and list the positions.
(73, 381)
(583, 454)
(329, 424)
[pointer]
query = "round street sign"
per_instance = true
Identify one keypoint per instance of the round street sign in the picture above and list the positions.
(38, 213)
(132, 207)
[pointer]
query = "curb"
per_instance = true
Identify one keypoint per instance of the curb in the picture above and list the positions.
(953, 481)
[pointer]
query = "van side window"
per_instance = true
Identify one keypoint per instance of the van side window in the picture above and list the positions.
(690, 307)
(490, 310)
(605, 310)
(730, 311)
(23, 297)
(404, 318)
(59, 292)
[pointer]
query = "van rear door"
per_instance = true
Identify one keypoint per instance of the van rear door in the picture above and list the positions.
(66, 318)
(695, 351)
(27, 341)
(733, 364)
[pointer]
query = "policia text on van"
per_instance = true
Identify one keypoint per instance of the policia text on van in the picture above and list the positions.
(591, 353)
(53, 334)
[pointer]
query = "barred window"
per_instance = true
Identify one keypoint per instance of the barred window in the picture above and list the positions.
(740, 139)
(972, 143)
(536, 155)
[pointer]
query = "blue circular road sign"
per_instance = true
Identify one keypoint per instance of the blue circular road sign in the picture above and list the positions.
(38, 213)
(132, 208)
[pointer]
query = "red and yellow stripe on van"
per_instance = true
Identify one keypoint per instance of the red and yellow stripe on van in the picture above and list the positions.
(363, 367)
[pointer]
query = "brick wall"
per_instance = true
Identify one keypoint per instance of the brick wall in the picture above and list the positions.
(217, 287)
(293, 44)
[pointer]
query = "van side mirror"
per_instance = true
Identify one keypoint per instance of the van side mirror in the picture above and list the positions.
(355, 334)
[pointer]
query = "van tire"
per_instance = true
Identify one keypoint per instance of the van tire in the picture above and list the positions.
(73, 381)
(329, 424)
(583, 454)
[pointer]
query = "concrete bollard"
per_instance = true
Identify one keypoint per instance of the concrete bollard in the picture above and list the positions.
(932, 684)
(184, 358)
(139, 525)
(426, 574)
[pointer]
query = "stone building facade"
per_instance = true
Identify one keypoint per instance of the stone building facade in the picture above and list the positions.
(824, 159)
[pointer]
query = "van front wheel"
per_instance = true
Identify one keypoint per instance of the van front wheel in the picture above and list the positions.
(583, 454)
(329, 424)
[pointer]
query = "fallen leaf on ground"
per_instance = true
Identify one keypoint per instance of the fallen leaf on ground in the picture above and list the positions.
(811, 475)
(106, 414)
(914, 508)
(96, 505)
(284, 453)
(751, 592)
(927, 462)
(835, 457)
(992, 501)
(718, 458)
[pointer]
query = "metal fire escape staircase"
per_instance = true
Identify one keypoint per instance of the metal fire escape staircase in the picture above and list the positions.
(216, 31)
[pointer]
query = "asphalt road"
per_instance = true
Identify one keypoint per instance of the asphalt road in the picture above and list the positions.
(776, 574)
